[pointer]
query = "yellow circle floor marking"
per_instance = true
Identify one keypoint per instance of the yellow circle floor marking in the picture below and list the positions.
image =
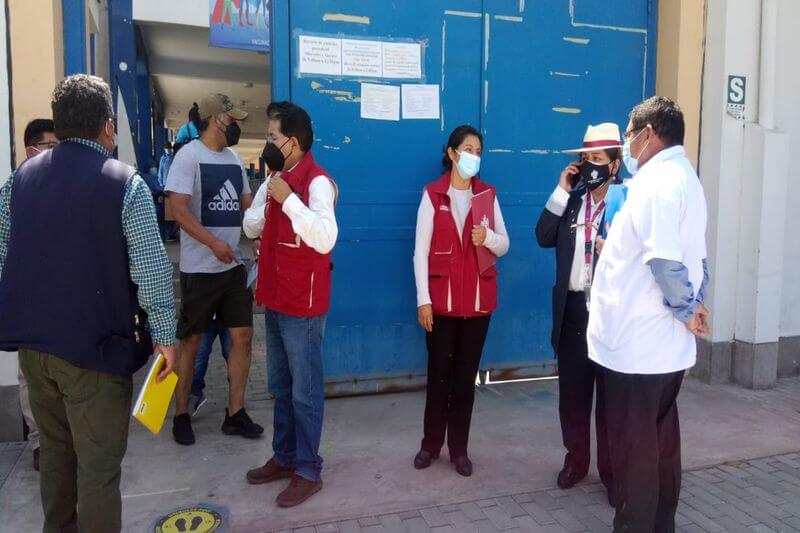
(191, 520)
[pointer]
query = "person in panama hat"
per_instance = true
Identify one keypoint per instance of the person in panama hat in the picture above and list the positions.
(569, 223)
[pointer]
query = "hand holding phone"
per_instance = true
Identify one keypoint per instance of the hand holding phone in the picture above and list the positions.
(570, 176)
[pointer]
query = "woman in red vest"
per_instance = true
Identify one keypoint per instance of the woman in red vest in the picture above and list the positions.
(460, 233)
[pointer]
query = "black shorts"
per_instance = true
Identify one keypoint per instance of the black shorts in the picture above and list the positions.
(224, 295)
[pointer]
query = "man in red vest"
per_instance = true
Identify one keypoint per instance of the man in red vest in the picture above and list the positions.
(294, 216)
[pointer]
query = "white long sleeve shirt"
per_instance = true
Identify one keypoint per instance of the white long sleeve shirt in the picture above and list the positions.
(461, 203)
(557, 204)
(314, 223)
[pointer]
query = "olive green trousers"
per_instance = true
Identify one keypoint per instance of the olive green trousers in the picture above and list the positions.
(83, 418)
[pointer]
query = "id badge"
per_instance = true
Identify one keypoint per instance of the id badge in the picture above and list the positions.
(587, 285)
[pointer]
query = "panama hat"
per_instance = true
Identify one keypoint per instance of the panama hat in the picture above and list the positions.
(601, 137)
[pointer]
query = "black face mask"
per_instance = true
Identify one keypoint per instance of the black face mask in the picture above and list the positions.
(232, 134)
(273, 156)
(594, 175)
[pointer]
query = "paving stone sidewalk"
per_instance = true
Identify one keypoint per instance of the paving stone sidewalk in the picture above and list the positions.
(10, 453)
(761, 495)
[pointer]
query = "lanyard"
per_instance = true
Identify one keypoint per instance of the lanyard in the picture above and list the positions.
(587, 228)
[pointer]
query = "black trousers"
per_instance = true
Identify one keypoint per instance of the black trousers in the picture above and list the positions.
(645, 445)
(454, 354)
(577, 378)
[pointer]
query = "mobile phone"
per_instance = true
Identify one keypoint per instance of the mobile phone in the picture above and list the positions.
(575, 179)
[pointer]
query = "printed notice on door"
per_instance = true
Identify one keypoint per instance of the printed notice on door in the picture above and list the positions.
(420, 101)
(362, 58)
(320, 55)
(380, 102)
(402, 61)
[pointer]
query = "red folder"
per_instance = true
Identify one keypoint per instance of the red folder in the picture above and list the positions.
(483, 215)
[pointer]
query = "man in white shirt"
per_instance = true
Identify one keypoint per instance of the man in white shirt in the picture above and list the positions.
(646, 309)
(294, 215)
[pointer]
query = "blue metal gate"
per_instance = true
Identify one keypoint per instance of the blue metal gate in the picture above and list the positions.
(531, 74)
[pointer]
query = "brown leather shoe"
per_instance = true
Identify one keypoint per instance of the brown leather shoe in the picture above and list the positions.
(271, 471)
(36, 459)
(299, 490)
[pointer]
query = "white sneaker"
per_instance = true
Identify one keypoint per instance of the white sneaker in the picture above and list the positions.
(196, 402)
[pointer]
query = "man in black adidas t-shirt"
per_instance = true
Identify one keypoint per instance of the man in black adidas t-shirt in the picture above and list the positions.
(209, 191)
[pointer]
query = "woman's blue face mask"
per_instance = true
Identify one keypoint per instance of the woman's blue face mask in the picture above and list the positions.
(468, 164)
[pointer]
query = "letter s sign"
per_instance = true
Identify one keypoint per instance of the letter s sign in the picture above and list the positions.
(736, 89)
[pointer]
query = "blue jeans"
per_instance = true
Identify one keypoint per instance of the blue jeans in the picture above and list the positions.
(201, 359)
(296, 380)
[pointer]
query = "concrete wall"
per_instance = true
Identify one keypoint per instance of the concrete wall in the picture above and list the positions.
(8, 362)
(6, 134)
(787, 119)
(10, 415)
(745, 165)
(37, 61)
(679, 67)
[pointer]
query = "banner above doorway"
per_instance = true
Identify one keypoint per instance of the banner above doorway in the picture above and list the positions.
(242, 24)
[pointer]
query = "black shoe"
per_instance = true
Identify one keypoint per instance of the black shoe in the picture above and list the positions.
(424, 459)
(463, 465)
(612, 497)
(182, 429)
(569, 477)
(241, 424)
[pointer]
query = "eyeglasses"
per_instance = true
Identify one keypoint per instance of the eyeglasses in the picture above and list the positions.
(46, 145)
(629, 134)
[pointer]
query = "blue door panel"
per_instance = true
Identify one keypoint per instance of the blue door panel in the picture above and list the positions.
(551, 71)
(531, 74)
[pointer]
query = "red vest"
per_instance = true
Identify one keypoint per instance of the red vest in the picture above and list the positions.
(455, 285)
(293, 278)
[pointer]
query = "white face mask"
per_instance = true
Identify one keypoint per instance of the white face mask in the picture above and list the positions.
(468, 164)
(632, 163)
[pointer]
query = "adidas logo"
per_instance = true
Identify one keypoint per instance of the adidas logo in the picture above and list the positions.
(227, 199)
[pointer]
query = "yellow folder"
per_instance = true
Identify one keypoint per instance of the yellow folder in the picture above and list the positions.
(153, 402)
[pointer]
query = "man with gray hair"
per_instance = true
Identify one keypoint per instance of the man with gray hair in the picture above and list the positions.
(85, 310)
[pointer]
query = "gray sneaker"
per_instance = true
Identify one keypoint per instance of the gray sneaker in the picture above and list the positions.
(196, 402)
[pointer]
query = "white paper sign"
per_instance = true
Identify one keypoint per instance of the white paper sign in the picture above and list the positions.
(420, 101)
(402, 60)
(320, 55)
(362, 58)
(380, 102)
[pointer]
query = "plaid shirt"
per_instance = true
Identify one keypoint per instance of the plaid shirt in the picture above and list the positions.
(150, 268)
